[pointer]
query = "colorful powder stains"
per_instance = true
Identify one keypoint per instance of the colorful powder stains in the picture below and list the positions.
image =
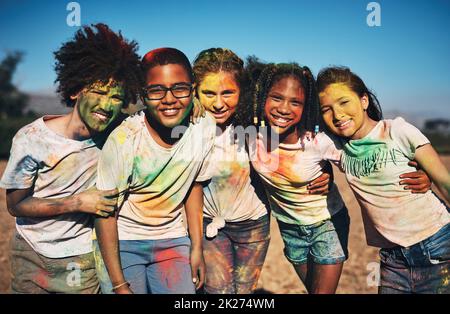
(121, 136)
(219, 88)
(282, 167)
(231, 173)
(444, 288)
(41, 278)
(152, 179)
(169, 261)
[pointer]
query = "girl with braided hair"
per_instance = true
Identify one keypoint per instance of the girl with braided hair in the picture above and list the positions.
(287, 155)
(236, 220)
(314, 228)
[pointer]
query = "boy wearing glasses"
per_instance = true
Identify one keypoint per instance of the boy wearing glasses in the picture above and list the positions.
(51, 172)
(156, 160)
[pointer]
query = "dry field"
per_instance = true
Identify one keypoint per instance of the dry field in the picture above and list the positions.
(278, 276)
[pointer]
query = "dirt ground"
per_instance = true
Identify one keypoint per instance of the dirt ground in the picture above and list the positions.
(278, 276)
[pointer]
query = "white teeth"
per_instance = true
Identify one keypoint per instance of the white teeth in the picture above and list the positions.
(279, 119)
(345, 123)
(170, 111)
(100, 116)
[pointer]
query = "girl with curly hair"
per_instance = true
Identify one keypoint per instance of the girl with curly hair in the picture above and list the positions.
(236, 220)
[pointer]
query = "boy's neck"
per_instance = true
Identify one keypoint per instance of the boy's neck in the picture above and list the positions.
(161, 134)
(70, 126)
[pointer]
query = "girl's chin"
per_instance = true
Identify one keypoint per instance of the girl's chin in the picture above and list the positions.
(281, 129)
(343, 133)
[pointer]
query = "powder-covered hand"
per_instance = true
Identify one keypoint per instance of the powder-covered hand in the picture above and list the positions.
(101, 203)
(198, 111)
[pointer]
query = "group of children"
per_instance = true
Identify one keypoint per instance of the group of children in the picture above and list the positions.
(173, 200)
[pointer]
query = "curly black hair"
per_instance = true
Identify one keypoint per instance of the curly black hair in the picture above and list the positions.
(97, 56)
(262, 77)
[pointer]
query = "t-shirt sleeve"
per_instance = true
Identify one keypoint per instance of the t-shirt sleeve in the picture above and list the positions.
(407, 137)
(205, 172)
(22, 168)
(111, 169)
(330, 148)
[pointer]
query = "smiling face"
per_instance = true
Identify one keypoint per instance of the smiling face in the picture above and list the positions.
(168, 111)
(284, 107)
(219, 94)
(344, 111)
(99, 104)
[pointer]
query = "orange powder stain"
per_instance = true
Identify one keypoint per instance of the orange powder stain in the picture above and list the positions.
(168, 260)
(41, 278)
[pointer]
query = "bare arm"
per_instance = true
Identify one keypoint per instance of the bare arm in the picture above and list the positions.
(429, 160)
(21, 203)
(108, 240)
(416, 181)
(322, 184)
(194, 217)
(197, 111)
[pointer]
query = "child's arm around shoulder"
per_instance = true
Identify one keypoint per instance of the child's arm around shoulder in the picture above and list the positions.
(20, 175)
(21, 203)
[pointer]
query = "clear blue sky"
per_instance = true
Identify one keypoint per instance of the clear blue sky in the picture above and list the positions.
(405, 61)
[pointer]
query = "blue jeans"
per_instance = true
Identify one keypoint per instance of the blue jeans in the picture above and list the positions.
(421, 268)
(324, 243)
(235, 256)
(152, 266)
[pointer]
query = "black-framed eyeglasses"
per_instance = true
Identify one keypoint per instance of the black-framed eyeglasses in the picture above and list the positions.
(158, 92)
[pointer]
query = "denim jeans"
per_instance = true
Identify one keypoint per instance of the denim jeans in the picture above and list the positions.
(235, 256)
(421, 268)
(152, 266)
(324, 243)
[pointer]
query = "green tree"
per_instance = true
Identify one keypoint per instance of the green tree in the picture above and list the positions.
(12, 101)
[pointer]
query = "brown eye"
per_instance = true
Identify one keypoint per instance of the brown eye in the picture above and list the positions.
(276, 98)
(98, 92)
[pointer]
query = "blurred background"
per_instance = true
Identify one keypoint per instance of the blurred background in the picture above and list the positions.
(399, 48)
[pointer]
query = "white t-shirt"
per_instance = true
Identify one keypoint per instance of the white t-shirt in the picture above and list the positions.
(373, 164)
(55, 167)
(230, 193)
(156, 179)
(288, 169)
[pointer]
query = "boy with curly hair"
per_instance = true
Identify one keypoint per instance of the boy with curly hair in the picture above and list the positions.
(51, 173)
